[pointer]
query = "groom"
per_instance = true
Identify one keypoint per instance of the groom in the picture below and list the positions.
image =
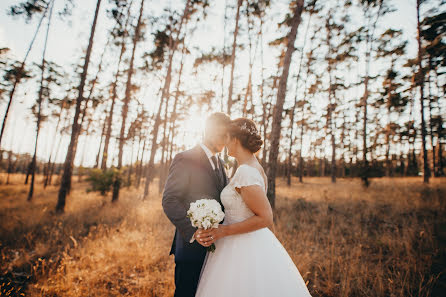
(194, 174)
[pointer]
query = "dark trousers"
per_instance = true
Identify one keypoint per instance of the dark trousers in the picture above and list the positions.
(187, 275)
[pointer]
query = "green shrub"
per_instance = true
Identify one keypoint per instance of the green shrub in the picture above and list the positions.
(102, 181)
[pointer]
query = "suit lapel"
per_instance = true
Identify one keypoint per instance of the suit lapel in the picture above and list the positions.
(204, 161)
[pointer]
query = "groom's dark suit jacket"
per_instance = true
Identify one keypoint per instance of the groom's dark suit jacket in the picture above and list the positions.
(190, 178)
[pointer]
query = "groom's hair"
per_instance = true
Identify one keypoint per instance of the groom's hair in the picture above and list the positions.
(217, 119)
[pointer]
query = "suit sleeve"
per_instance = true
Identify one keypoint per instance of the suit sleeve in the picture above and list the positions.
(175, 189)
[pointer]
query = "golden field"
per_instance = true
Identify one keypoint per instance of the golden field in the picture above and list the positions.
(387, 240)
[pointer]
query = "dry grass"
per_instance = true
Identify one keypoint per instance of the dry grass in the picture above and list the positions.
(388, 240)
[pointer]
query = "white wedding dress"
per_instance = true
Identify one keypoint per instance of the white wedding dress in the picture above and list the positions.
(250, 264)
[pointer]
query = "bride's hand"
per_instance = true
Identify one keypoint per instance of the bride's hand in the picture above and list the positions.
(208, 237)
(203, 237)
(217, 233)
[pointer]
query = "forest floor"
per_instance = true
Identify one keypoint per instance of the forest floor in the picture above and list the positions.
(387, 240)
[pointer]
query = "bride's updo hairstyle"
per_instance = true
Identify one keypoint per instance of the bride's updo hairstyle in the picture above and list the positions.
(246, 132)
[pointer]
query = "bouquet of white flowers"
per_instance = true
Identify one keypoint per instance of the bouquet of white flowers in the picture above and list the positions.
(205, 213)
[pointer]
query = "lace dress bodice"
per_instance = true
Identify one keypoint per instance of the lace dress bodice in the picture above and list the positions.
(236, 209)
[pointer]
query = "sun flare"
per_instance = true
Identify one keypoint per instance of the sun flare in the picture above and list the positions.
(193, 128)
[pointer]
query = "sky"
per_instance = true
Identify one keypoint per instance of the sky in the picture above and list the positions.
(68, 38)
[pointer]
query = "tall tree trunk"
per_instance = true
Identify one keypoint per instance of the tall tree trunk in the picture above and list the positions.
(267, 113)
(140, 166)
(137, 155)
(223, 64)
(293, 111)
(369, 46)
(440, 133)
(65, 185)
(163, 148)
(248, 92)
(28, 171)
(440, 129)
(47, 176)
(39, 102)
(85, 110)
(109, 122)
(364, 173)
(331, 122)
(10, 166)
(342, 142)
(234, 46)
(175, 102)
(277, 115)
(165, 92)
(420, 80)
(104, 125)
(431, 125)
(333, 151)
(128, 94)
(129, 176)
(114, 95)
(388, 163)
(301, 160)
(53, 163)
(87, 100)
(290, 151)
(262, 86)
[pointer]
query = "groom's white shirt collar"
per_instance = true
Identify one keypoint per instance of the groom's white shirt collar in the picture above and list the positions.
(209, 154)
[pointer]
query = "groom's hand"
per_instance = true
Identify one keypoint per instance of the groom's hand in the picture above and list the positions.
(203, 237)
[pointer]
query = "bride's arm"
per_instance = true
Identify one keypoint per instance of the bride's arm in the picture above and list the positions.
(255, 198)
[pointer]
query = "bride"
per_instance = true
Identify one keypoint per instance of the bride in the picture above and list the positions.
(249, 260)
